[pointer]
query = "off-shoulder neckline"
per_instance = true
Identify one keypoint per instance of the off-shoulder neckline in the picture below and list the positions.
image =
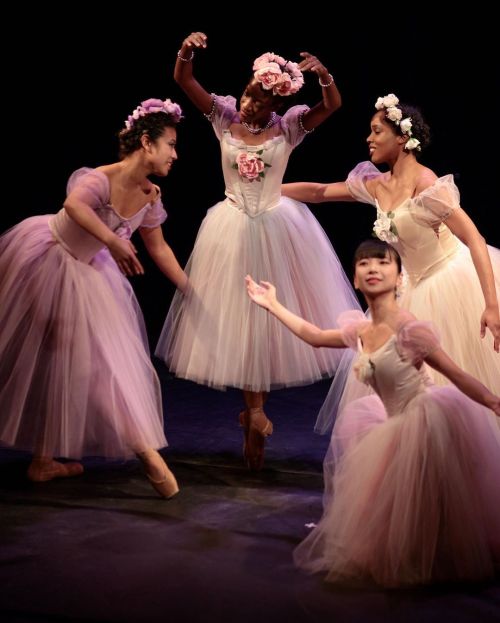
(111, 206)
(376, 202)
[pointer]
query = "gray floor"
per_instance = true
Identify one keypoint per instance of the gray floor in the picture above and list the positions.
(102, 547)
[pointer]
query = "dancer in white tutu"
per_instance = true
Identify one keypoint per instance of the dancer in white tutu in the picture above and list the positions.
(75, 374)
(215, 336)
(415, 493)
(453, 276)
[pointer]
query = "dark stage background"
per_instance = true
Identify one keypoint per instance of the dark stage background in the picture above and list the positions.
(70, 96)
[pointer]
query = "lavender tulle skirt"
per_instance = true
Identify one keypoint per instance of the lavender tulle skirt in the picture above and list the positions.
(75, 374)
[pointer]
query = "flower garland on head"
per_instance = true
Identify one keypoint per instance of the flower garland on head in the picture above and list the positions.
(154, 105)
(274, 72)
(393, 113)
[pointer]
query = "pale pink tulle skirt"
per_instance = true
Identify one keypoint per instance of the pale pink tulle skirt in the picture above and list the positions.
(75, 376)
(416, 499)
(217, 336)
(453, 301)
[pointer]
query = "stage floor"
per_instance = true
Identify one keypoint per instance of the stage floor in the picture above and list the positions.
(104, 547)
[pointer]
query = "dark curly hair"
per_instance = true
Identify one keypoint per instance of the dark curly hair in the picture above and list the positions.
(152, 124)
(419, 128)
(278, 102)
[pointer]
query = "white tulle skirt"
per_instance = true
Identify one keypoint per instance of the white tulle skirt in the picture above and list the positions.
(414, 499)
(75, 375)
(217, 336)
(452, 299)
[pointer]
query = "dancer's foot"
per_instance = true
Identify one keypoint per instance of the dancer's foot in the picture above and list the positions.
(244, 418)
(42, 470)
(160, 477)
(259, 427)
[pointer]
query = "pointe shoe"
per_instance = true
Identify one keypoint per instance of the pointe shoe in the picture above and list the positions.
(259, 427)
(167, 486)
(244, 418)
(43, 470)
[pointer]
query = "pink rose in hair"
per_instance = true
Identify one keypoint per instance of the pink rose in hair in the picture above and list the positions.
(274, 72)
(153, 105)
(268, 75)
(250, 166)
(283, 85)
(267, 58)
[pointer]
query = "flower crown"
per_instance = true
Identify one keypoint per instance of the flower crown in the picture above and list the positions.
(154, 105)
(274, 72)
(393, 113)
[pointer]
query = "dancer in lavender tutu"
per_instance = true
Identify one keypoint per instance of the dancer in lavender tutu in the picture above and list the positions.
(75, 374)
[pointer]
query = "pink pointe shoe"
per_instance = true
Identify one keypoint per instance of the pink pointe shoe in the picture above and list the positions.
(166, 485)
(42, 470)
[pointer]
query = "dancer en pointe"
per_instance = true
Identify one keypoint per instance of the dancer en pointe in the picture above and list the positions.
(214, 335)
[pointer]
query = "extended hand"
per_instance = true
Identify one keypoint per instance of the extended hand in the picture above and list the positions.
(195, 39)
(264, 294)
(124, 253)
(311, 63)
(491, 320)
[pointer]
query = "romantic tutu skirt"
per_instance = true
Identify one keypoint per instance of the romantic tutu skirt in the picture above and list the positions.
(414, 499)
(452, 299)
(75, 375)
(217, 336)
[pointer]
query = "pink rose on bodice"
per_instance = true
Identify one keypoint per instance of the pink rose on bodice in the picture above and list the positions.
(250, 166)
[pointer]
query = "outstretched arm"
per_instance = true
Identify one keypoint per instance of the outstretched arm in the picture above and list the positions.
(264, 294)
(311, 192)
(464, 228)
(163, 256)
(331, 99)
(183, 72)
(466, 383)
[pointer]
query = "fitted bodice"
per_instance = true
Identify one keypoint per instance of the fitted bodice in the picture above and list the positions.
(416, 228)
(92, 188)
(423, 248)
(253, 173)
(392, 376)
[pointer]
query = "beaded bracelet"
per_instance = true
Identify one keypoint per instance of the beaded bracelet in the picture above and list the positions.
(301, 125)
(185, 60)
(210, 115)
(328, 84)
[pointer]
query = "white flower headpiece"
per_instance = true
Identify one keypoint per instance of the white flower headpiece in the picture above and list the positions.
(393, 113)
(274, 72)
(154, 105)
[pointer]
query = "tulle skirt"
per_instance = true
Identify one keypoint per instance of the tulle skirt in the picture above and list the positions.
(217, 336)
(415, 499)
(452, 299)
(75, 376)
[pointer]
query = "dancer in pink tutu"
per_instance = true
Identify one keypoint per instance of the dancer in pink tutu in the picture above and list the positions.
(75, 374)
(215, 336)
(453, 277)
(415, 493)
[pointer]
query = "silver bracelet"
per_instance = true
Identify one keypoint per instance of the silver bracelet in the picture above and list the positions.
(185, 60)
(328, 84)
